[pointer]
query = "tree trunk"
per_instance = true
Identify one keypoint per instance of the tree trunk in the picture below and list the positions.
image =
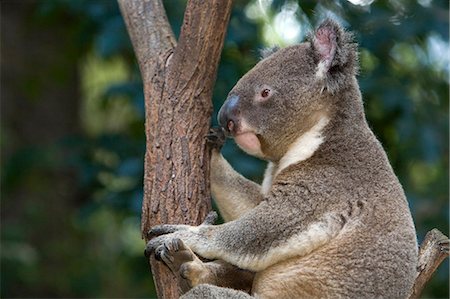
(178, 83)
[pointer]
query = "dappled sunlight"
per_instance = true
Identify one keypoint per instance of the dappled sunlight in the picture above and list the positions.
(102, 112)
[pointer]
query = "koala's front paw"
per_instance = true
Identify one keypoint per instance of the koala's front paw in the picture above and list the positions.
(165, 233)
(161, 234)
(216, 138)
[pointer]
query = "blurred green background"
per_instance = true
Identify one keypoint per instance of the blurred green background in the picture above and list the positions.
(72, 128)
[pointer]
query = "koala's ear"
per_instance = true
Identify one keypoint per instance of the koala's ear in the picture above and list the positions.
(266, 52)
(334, 50)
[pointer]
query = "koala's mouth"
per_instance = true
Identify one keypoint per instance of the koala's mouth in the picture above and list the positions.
(249, 142)
(244, 136)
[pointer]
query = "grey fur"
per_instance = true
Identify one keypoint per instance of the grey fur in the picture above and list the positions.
(266, 52)
(214, 292)
(335, 225)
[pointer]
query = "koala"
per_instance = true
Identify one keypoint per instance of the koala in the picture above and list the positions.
(330, 219)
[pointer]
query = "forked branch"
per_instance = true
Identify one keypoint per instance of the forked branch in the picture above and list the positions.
(178, 82)
(149, 31)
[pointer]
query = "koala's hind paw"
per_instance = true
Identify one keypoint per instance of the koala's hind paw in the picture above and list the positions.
(175, 254)
(211, 218)
(216, 138)
(195, 273)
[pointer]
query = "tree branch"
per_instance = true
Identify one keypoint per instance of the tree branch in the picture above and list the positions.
(178, 82)
(149, 31)
(200, 43)
(433, 250)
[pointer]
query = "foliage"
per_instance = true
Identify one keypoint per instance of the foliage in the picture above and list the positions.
(404, 80)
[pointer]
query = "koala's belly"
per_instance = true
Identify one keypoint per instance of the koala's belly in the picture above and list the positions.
(285, 280)
(371, 269)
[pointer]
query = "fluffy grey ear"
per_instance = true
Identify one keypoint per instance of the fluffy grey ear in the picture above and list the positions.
(266, 52)
(335, 52)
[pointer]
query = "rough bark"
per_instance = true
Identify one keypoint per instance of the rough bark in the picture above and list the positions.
(433, 250)
(178, 82)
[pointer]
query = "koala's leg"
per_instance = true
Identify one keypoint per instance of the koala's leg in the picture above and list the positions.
(233, 193)
(206, 291)
(186, 265)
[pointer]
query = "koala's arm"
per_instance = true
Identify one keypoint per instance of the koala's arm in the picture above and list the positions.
(260, 238)
(233, 193)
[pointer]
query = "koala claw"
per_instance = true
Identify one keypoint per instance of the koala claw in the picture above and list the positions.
(216, 138)
(150, 248)
(159, 252)
(444, 245)
(211, 218)
(161, 234)
(156, 246)
(163, 229)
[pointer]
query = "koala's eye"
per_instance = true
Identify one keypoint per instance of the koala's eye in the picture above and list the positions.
(265, 92)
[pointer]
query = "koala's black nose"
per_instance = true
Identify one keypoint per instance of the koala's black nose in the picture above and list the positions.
(227, 116)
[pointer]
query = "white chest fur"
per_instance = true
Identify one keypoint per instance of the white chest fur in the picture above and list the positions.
(300, 150)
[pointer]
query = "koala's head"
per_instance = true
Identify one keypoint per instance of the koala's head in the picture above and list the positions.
(288, 91)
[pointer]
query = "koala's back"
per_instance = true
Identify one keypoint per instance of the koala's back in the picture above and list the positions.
(375, 253)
